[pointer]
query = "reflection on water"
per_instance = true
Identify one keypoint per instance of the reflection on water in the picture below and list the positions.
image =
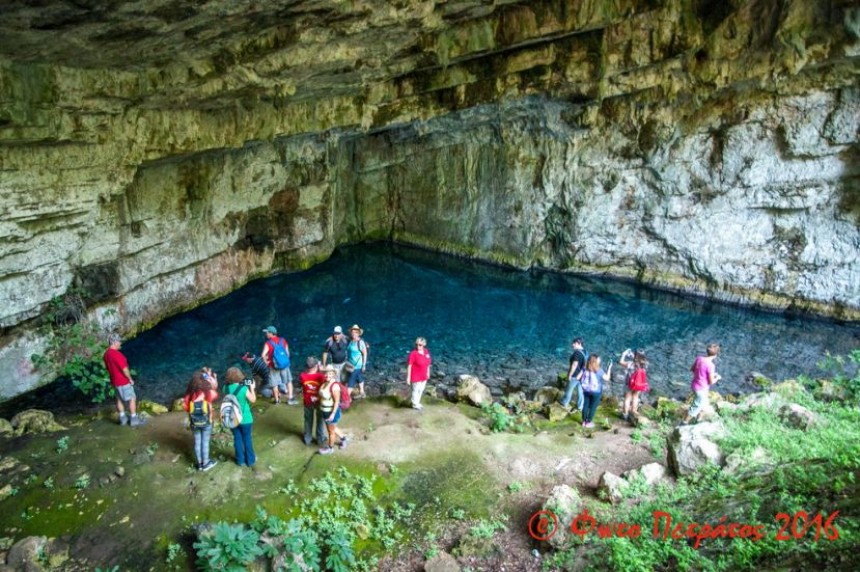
(511, 328)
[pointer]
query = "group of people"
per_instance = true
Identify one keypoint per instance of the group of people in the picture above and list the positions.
(326, 387)
(586, 376)
(325, 394)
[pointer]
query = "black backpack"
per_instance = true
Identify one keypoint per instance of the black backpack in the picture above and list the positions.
(199, 414)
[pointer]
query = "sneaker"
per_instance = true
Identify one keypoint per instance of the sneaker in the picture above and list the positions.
(343, 442)
(326, 451)
(292, 402)
(590, 425)
(418, 407)
(136, 421)
(625, 417)
(362, 396)
(277, 402)
(209, 464)
(198, 466)
(123, 420)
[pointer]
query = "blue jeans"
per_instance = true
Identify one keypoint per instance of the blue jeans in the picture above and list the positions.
(201, 443)
(243, 446)
(322, 434)
(573, 385)
(592, 400)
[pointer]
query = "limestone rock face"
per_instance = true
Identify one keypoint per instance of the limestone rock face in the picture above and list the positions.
(685, 147)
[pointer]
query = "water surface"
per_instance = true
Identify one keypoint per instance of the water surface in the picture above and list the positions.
(511, 328)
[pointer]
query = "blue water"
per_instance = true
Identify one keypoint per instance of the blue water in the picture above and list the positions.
(512, 329)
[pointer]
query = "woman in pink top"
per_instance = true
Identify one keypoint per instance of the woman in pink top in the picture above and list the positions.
(704, 376)
(418, 371)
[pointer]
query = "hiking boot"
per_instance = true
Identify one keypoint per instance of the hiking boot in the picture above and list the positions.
(326, 451)
(209, 464)
(136, 421)
(343, 442)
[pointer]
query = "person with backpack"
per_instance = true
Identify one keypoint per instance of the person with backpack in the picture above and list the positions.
(636, 376)
(335, 348)
(418, 371)
(592, 388)
(330, 395)
(243, 391)
(200, 395)
(311, 380)
(574, 375)
(276, 354)
(260, 372)
(356, 360)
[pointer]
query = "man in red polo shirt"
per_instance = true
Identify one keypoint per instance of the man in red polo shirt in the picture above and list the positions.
(120, 377)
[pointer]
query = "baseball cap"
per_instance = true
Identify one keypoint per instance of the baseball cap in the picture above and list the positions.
(271, 330)
(338, 330)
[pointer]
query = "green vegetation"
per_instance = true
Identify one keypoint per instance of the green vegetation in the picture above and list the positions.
(75, 346)
(796, 490)
(340, 526)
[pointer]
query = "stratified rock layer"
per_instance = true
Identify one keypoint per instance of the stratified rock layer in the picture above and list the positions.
(158, 155)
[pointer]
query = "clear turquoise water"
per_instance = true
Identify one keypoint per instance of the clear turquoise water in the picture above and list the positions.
(511, 328)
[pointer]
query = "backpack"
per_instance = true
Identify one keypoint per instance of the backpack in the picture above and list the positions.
(231, 411)
(345, 397)
(199, 414)
(638, 380)
(280, 357)
(592, 382)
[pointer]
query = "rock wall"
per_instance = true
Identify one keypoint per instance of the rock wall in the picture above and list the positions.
(704, 146)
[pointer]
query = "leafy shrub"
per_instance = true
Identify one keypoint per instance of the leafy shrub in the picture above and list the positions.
(75, 347)
(228, 547)
(500, 418)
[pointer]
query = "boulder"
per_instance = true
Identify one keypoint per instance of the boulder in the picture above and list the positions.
(470, 388)
(640, 420)
(772, 401)
(725, 406)
(515, 401)
(691, 447)
(829, 391)
(652, 473)
(35, 421)
(6, 427)
(546, 395)
(36, 553)
(756, 461)
(555, 412)
(178, 404)
(611, 487)
(442, 562)
(758, 379)
(797, 416)
(564, 502)
(789, 389)
(151, 407)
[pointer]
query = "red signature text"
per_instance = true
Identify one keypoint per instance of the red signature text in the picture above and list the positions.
(544, 524)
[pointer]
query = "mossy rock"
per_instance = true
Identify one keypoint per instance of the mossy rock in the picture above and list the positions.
(830, 391)
(151, 407)
(178, 404)
(669, 408)
(555, 412)
(6, 427)
(760, 380)
(789, 388)
(35, 421)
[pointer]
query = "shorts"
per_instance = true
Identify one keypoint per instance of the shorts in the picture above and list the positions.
(701, 401)
(280, 377)
(336, 417)
(126, 392)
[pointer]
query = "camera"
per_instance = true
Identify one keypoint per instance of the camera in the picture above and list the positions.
(247, 382)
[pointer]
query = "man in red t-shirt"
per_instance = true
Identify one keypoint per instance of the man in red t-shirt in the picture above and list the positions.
(120, 377)
(311, 379)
